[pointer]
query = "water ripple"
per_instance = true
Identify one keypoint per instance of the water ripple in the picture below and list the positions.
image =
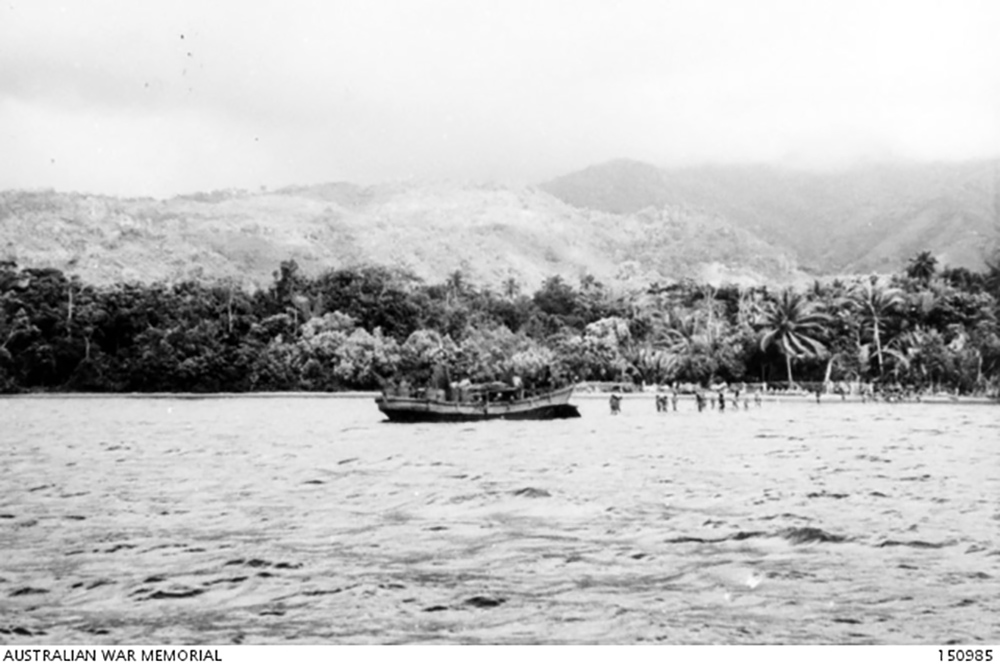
(310, 520)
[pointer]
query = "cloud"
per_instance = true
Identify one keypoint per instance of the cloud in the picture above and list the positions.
(156, 98)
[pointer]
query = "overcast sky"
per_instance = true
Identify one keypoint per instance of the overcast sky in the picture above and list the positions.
(156, 98)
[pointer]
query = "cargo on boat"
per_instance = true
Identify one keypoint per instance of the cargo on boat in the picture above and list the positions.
(478, 402)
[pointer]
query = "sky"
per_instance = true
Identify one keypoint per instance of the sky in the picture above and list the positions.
(157, 98)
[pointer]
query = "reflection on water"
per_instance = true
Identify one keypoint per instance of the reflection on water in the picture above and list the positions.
(275, 520)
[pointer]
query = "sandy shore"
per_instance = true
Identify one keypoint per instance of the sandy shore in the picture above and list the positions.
(579, 394)
(808, 398)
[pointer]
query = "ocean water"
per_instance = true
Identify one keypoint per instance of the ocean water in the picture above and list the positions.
(310, 520)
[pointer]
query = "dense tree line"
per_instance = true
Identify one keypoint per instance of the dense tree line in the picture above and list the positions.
(354, 328)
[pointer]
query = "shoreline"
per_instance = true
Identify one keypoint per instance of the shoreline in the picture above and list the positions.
(197, 396)
(808, 398)
(939, 399)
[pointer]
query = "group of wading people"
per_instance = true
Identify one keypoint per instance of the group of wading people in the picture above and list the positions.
(721, 398)
(714, 399)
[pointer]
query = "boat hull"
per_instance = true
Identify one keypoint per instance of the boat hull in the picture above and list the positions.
(548, 406)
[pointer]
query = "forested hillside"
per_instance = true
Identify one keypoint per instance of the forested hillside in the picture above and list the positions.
(623, 222)
(857, 220)
(490, 233)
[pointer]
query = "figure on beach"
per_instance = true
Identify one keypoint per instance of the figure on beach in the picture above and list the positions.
(700, 400)
(842, 390)
(615, 401)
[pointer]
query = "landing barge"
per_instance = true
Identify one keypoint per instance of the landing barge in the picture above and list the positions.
(480, 402)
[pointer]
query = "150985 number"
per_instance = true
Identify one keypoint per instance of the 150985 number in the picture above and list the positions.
(965, 655)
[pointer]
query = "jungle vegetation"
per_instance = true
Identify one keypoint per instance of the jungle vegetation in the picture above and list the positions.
(352, 328)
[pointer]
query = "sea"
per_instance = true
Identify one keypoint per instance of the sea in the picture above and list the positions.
(311, 520)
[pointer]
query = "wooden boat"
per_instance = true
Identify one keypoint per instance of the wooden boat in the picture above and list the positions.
(481, 402)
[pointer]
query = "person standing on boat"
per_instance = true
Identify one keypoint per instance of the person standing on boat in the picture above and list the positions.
(545, 381)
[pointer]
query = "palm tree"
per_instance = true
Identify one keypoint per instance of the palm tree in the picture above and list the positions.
(792, 324)
(646, 361)
(689, 340)
(750, 306)
(511, 288)
(907, 353)
(992, 273)
(922, 266)
(876, 304)
(456, 288)
(455, 282)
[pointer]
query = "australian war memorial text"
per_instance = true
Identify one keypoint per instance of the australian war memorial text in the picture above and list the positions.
(111, 655)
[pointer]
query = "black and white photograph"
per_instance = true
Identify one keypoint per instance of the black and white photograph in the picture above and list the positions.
(636, 323)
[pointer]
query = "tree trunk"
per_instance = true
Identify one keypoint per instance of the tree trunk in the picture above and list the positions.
(69, 313)
(829, 369)
(878, 348)
(788, 365)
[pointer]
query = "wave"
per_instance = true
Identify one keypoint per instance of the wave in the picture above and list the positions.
(827, 494)
(261, 563)
(22, 631)
(917, 544)
(809, 534)
(804, 535)
(532, 492)
(175, 594)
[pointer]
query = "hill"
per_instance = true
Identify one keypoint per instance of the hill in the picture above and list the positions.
(863, 219)
(488, 232)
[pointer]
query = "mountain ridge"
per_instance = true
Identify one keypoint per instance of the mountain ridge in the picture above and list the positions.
(623, 221)
(491, 233)
(861, 219)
